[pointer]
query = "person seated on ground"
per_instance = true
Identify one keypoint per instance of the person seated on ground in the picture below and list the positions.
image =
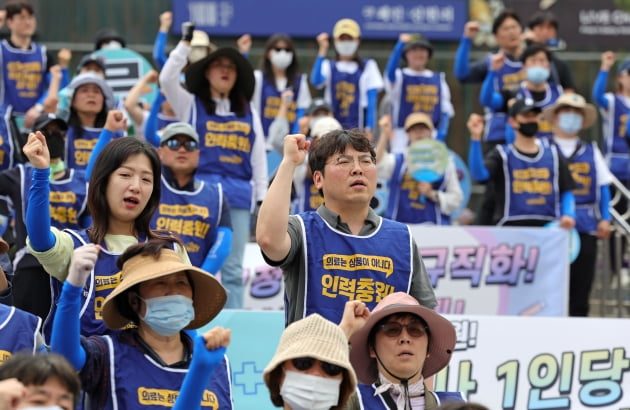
(157, 298)
(38, 381)
(310, 369)
(399, 347)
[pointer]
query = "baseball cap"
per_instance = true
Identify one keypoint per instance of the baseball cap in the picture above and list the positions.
(416, 118)
(178, 128)
(521, 106)
(419, 41)
(347, 26)
(46, 118)
(318, 104)
(92, 58)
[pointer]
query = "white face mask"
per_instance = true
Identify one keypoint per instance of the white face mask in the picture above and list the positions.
(303, 391)
(346, 48)
(281, 59)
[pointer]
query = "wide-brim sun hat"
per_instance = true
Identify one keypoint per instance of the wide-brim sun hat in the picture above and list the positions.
(196, 72)
(93, 78)
(209, 296)
(441, 340)
(575, 101)
(319, 339)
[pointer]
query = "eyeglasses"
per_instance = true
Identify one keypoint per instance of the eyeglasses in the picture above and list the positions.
(347, 162)
(282, 49)
(394, 329)
(174, 144)
(305, 363)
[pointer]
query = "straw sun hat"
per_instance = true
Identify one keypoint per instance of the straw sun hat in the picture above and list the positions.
(208, 294)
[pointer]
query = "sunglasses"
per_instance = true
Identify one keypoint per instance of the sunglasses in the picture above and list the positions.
(282, 49)
(394, 329)
(305, 363)
(174, 144)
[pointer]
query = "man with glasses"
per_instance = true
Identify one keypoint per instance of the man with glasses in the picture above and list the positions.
(401, 345)
(343, 250)
(195, 210)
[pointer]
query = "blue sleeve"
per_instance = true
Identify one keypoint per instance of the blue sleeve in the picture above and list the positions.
(38, 212)
(487, 96)
(151, 123)
(394, 59)
(509, 133)
(203, 363)
(567, 204)
(599, 89)
(317, 78)
(66, 334)
(65, 78)
(460, 66)
(159, 49)
(478, 169)
(604, 202)
(445, 120)
(103, 139)
(299, 113)
(370, 116)
(219, 252)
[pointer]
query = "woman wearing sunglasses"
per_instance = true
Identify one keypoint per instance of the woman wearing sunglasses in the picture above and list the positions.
(401, 344)
(310, 369)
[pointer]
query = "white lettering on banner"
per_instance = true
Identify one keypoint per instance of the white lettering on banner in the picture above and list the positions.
(521, 363)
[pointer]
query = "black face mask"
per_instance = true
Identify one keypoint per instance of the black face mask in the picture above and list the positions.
(56, 144)
(528, 129)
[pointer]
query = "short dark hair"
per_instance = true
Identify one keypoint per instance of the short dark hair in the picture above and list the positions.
(533, 49)
(334, 142)
(504, 15)
(15, 7)
(35, 370)
(543, 16)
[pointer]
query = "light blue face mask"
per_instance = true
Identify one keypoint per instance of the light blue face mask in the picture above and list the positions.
(537, 74)
(168, 315)
(570, 122)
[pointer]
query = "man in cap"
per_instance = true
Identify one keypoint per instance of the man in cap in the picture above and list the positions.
(441, 198)
(570, 115)
(529, 182)
(196, 210)
(399, 347)
(68, 194)
(415, 88)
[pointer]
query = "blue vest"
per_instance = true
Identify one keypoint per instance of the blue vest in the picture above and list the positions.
(342, 267)
(552, 92)
(225, 153)
(309, 199)
(586, 192)
(420, 93)
(531, 184)
(405, 204)
(137, 382)
(18, 332)
(23, 76)
(370, 402)
(79, 148)
(615, 145)
(102, 281)
(68, 198)
(270, 99)
(508, 77)
(7, 146)
(193, 216)
(346, 97)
